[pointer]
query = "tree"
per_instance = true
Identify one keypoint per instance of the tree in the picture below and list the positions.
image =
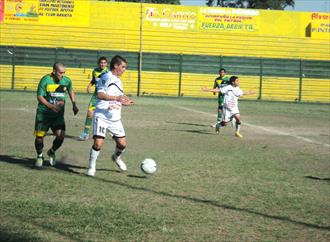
(257, 4)
(177, 2)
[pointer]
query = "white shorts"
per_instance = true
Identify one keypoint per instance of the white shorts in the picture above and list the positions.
(228, 114)
(101, 126)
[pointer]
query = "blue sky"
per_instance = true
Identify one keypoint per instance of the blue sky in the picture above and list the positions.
(300, 5)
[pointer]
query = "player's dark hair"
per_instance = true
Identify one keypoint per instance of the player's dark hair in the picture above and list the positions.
(102, 58)
(117, 60)
(222, 69)
(57, 65)
(233, 79)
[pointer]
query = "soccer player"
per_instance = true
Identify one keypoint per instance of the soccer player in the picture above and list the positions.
(107, 115)
(96, 74)
(221, 80)
(51, 96)
(230, 108)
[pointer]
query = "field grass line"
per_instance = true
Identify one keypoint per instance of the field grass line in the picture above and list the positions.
(269, 130)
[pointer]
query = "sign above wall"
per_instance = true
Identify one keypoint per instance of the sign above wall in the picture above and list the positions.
(223, 19)
(50, 12)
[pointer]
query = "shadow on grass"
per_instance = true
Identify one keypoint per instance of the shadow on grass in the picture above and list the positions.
(15, 236)
(217, 204)
(25, 162)
(214, 203)
(191, 124)
(29, 163)
(318, 178)
(196, 131)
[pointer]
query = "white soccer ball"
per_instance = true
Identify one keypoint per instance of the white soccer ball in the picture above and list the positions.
(148, 166)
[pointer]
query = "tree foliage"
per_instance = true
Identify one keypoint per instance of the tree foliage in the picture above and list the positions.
(257, 4)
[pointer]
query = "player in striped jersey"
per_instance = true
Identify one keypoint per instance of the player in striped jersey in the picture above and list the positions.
(230, 108)
(51, 96)
(107, 115)
(96, 74)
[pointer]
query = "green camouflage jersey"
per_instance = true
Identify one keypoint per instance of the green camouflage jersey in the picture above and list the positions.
(53, 91)
(220, 81)
(97, 73)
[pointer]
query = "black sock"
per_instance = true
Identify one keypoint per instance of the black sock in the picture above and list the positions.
(39, 145)
(56, 144)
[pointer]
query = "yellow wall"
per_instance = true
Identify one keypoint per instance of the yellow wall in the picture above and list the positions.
(274, 88)
(171, 29)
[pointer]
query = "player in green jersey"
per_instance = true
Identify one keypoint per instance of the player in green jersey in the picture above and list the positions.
(96, 74)
(51, 96)
(221, 80)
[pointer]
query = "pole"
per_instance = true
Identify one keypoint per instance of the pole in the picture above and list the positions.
(140, 53)
(260, 80)
(301, 75)
(13, 70)
(180, 75)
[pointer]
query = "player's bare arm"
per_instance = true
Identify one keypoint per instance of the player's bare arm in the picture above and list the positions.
(206, 89)
(89, 87)
(128, 102)
(250, 92)
(106, 97)
(54, 107)
(72, 96)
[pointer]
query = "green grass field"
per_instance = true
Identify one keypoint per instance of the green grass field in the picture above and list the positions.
(272, 185)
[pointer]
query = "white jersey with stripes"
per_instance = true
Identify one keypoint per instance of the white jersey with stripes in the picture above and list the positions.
(231, 95)
(111, 85)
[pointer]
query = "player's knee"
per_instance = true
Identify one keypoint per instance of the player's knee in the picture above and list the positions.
(96, 147)
(121, 144)
(90, 113)
(39, 144)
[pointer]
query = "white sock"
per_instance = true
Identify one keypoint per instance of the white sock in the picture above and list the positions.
(93, 154)
(238, 127)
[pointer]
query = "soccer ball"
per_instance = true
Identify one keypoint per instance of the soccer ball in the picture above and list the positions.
(148, 166)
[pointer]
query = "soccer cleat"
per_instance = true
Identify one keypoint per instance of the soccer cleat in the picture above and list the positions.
(83, 136)
(237, 134)
(213, 125)
(90, 172)
(119, 162)
(39, 161)
(51, 155)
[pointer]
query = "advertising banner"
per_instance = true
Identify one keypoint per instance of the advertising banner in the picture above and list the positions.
(165, 17)
(2, 10)
(227, 19)
(50, 12)
(320, 25)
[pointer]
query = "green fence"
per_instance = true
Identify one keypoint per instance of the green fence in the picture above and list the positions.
(173, 63)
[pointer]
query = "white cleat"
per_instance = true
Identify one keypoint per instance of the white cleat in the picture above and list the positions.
(39, 162)
(52, 158)
(90, 172)
(120, 163)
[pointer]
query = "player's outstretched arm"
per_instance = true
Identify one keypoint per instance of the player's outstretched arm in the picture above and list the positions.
(72, 96)
(206, 89)
(128, 102)
(250, 92)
